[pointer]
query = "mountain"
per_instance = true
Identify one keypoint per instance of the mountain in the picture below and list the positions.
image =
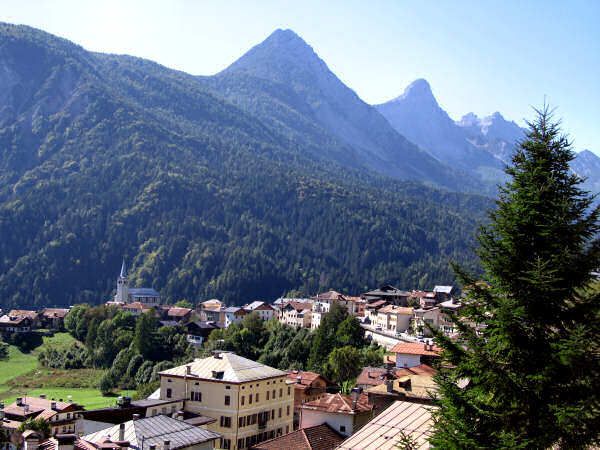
(587, 165)
(105, 156)
(494, 134)
(417, 115)
(285, 84)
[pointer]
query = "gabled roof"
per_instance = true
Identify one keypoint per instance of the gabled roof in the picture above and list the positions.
(298, 306)
(330, 295)
(384, 431)
(413, 348)
(319, 437)
(153, 431)
(391, 309)
(24, 313)
(228, 367)
(387, 291)
(373, 376)
(258, 305)
(176, 311)
(136, 305)
(338, 403)
(377, 304)
(55, 312)
(306, 378)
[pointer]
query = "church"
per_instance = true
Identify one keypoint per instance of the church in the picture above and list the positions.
(125, 294)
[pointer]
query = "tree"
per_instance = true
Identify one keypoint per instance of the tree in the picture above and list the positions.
(344, 364)
(324, 340)
(146, 325)
(39, 425)
(349, 332)
(4, 353)
(528, 347)
(184, 304)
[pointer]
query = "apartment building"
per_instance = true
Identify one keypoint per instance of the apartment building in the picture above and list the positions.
(251, 402)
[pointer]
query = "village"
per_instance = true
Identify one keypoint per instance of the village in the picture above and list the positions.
(226, 401)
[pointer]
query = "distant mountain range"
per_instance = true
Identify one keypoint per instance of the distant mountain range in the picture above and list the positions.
(480, 146)
(271, 177)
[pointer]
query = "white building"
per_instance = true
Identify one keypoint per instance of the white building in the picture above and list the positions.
(264, 310)
(125, 294)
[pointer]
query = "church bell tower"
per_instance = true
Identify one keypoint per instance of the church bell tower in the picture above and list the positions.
(122, 285)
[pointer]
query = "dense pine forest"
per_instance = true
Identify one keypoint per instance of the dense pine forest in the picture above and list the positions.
(107, 157)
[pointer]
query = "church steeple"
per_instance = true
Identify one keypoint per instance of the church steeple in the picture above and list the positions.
(123, 270)
(122, 285)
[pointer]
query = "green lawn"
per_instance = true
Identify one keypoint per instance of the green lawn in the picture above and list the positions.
(89, 398)
(20, 376)
(17, 364)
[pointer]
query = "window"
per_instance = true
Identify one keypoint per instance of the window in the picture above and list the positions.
(227, 400)
(241, 421)
(274, 394)
(225, 422)
(64, 429)
(289, 390)
(250, 399)
(169, 392)
(240, 443)
(272, 414)
(287, 429)
(172, 409)
(280, 392)
(267, 395)
(68, 415)
(154, 412)
(169, 380)
(227, 387)
(163, 410)
(279, 413)
(243, 400)
(225, 443)
(196, 396)
(287, 410)
(257, 396)
(342, 428)
(279, 431)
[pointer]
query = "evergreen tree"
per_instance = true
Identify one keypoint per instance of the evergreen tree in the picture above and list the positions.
(525, 371)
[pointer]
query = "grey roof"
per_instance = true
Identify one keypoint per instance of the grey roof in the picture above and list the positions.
(123, 270)
(444, 289)
(143, 433)
(229, 367)
(232, 309)
(143, 292)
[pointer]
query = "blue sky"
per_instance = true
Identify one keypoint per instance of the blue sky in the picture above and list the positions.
(480, 56)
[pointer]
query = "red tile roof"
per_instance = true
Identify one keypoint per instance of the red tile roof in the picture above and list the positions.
(24, 313)
(136, 305)
(178, 312)
(421, 369)
(413, 348)
(55, 312)
(298, 306)
(371, 376)
(338, 403)
(306, 378)
(319, 437)
(391, 309)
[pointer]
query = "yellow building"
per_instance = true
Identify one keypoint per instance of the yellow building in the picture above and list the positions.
(251, 402)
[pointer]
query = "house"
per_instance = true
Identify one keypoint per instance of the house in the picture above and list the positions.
(394, 318)
(213, 311)
(179, 314)
(374, 376)
(125, 294)
(252, 402)
(14, 324)
(318, 437)
(34, 316)
(343, 413)
(197, 332)
(423, 319)
(156, 432)
(72, 442)
(411, 354)
(136, 308)
(390, 294)
(413, 385)
(234, 314)
(54, 318)
(423, 299)
(447, 310)
(372, 309)
(322, 302)
(265, 311)
(444, 293)
(309, 386)
(63, 417)
(295, 315)
(385, 431)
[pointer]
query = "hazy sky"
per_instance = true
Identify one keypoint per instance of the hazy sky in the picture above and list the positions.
(480, 56)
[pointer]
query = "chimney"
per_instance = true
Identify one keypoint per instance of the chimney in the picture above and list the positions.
(19, 401)
(43, 396)
(166, 445)
(426, 346)
(389, 386)
(1, 416)
(136, 416)
(122, 432)
(299, 379)
(53, 405)
(188, 369)
(153, 447)
(1, 405)
(180, 415)
(355, 395)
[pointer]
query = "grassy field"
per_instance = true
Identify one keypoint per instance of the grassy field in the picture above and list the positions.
(89, 398)
(20, 376)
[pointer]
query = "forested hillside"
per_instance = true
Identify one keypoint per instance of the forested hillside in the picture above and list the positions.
(104, 157)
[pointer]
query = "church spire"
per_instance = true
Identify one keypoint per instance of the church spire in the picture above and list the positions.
(123, 270)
